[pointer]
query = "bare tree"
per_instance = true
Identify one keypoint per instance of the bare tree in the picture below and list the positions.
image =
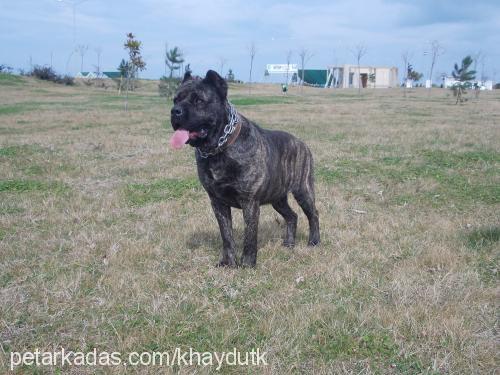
(288, 60)
(359, 51)
(436, 51)
(305, 56)
(165, 58)
(82, 50)
(479, 58)
(483, 75)
(222, 62)
(476, 58)
(98, 52)
(405, 56)
(252, 50)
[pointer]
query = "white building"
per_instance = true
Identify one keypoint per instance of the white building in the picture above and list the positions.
(352, 76)
(449, 82)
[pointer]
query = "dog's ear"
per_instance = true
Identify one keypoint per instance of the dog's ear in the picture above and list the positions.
(187, 76)
(214, 79)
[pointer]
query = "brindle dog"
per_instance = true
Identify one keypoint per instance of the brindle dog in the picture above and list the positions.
(254, 166)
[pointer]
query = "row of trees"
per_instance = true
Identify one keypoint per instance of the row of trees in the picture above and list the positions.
(174, 61)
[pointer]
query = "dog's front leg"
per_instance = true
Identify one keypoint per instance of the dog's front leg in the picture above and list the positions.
(251, 212)
(223, 216)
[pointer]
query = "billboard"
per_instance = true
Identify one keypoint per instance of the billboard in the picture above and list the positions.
(281, 68)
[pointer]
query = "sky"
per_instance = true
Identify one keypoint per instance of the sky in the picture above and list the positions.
(211, 32)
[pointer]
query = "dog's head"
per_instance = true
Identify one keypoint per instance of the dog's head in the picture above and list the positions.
(200, 107)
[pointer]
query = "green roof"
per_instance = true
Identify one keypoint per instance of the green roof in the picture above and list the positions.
(112, 74)
(315, 77)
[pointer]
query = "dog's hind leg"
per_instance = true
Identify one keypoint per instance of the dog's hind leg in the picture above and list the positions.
(291, 220)
(223, 215)
(304, 195)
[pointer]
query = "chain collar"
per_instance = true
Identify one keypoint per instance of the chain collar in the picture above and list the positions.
(228, 130)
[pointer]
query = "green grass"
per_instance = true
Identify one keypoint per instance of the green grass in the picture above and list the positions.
(19, 150)
(9, 209)
(448, 159)
(139, 194)
(261, 100)
(483, 237)
(10, 79)
(336, 337)
(23, 186)
(450, 170)
(485, 257)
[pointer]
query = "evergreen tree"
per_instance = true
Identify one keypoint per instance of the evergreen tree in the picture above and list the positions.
(463, 76)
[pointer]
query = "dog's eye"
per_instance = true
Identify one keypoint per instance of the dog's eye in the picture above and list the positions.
(198, 100)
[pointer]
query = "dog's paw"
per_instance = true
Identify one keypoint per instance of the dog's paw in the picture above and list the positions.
(248, 262)
(226, 263)
(314, 242)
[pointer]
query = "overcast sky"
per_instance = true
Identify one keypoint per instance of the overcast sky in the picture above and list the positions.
(208, 31)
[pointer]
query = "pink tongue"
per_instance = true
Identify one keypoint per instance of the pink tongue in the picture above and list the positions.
(179, 139)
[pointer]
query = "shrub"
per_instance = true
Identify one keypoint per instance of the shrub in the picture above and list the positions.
(65, 80)
(5, 69)
(46, 73)
(43, 72)
(168, 86)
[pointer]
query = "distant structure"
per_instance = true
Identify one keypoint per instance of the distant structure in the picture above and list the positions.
(288, 70)
(94, 75)
(449, 81)
(351, 76)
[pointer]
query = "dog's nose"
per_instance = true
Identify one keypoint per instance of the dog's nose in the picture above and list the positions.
(176, 111)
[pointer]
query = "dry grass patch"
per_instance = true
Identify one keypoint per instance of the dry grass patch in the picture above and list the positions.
(107, 239)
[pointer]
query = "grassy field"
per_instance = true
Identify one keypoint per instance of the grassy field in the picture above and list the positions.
(108, 241)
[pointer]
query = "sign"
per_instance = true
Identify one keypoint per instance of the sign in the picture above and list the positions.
(281, 68)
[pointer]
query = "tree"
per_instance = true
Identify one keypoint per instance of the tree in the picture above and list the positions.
(135, 62)
(174, 59)
(305, 56)
(252, 50)
(359, 51)
(222, 62)
(230, 75)
(405, 56)
(123, 68)
(436, 51)
(412, 74)
(165, 59)
(82, 50)
(288, 61)
(98, 52)
(463, 76)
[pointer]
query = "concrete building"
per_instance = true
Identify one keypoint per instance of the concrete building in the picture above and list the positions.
(350, 76)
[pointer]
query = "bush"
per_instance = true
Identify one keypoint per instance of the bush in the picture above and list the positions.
(46, 73)
(65, 80)
(5, 69)
(168, 86)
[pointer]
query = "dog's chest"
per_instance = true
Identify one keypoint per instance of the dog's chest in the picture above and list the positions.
(222, 179)
(216, 174)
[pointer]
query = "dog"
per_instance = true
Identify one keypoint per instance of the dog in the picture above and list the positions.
(242, 165)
